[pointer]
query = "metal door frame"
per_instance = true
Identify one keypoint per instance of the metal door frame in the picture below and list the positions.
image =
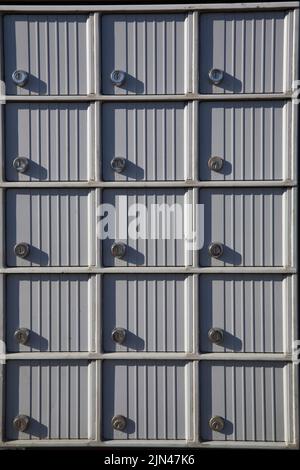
(96, 98)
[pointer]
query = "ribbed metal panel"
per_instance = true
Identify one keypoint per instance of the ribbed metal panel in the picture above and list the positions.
(251, 310)
(51, 48)
(56, 224)
(54, 137)
(154, 397)
(57, 309)
(149, 251)
(250, 223)
(251, 397)
(252, 137)
(150, 49)
(252, 48)
(56, 395)
(153, 137)
(155, 310)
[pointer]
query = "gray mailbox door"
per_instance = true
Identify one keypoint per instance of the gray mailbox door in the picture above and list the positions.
(148, 212)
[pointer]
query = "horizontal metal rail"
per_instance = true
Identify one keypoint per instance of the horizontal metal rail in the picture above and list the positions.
(149, 184)
(151, 356)
(140, 7)
(149, 270)
(139, 98)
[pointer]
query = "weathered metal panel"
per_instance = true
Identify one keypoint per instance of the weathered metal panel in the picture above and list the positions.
(54, 137)
(150, 49)
(253, 138)
(146, 251)
(154, 397)
(51, 48)
(152, 137)
(250, 223)
(153, 309)
(252, 310)
(55, 223)
(55, 395)
(253, 49)
(251, 397)
(57, 309)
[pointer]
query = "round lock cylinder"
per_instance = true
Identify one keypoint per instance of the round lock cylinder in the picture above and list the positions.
(216, 423)
(216, 76)
(21, 164)
(119, 422)
(22, 335)
(20, 77)
(216, 335)
(118, 164)
(215, 163)
(117, 77)
(215, 250)
(21, 422)
(118, 335)
(118, 250)
(22, 250)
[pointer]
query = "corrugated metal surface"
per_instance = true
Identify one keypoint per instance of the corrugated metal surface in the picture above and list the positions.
(252, 310)
(57, 395)
(155, 310)
(54, 137)
(250, 223)
(152, 137)
(56, 224)
(150, 49)
(253, 49)
(154, 397)
(57, 309)
(51, 48)
(148, 251)
(252, 137)
(251, 397)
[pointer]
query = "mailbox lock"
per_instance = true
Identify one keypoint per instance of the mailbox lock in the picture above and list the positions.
(216, 76)
(20, 77)
(21, 164)
(22, 335)
(119, 422)
(118, 335)
(215, 335)
(21, 423)
(118, 250)
(215, 163)
(22, 249)
(118, 164)
(117, 77)
(215, 250)
(216, 423)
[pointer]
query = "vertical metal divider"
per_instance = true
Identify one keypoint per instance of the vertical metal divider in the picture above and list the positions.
(2, 240)
(98, 243)
(195, 198)
(294, 245)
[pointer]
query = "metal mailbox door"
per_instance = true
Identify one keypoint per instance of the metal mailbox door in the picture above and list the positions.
(120, 326)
